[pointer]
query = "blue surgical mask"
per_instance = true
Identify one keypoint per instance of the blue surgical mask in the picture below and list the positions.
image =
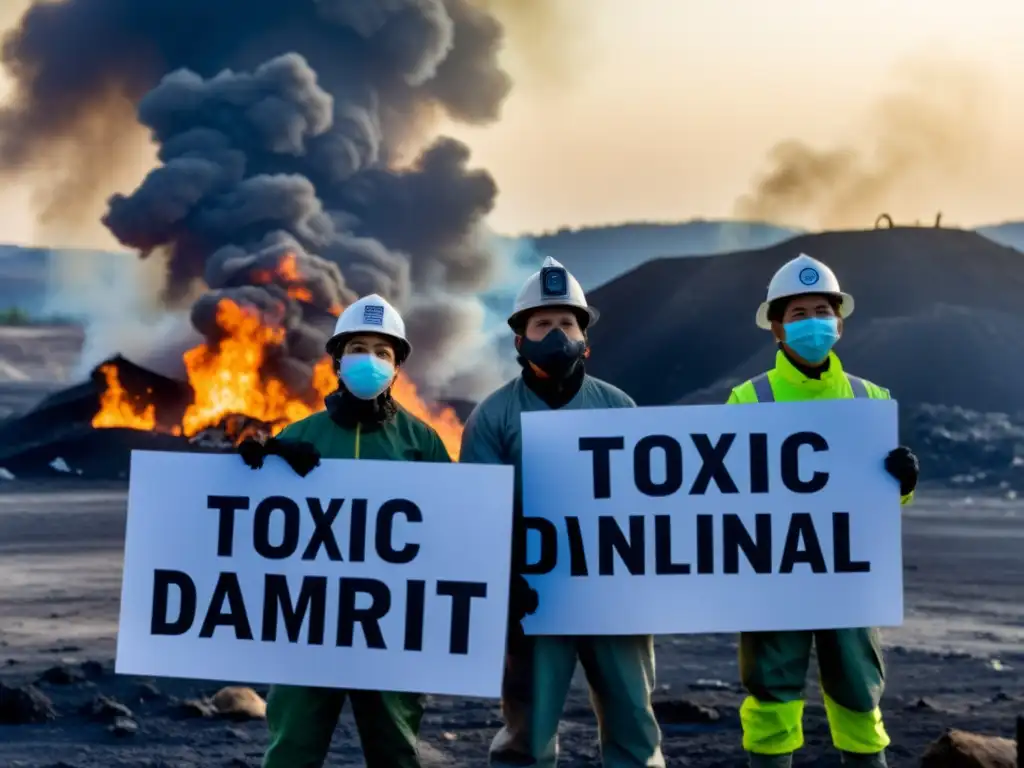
(365, 376)
(813, 338)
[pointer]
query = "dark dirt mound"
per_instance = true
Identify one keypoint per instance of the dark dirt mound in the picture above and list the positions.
(938, 319)
(596, 255)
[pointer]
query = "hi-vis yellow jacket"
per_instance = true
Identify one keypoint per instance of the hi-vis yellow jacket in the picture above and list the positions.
(786, 384)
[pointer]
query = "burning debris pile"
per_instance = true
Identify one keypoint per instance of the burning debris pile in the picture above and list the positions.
(90, 430)
(231, 397)
(298, 171)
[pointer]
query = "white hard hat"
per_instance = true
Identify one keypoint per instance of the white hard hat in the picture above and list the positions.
(371, 314)
(801, 276)
(553, 286)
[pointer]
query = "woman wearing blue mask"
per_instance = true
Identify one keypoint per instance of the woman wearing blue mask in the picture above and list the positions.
(804, 311)
(361, 421)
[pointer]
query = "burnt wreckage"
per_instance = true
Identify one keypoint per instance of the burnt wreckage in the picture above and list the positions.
(57, 437)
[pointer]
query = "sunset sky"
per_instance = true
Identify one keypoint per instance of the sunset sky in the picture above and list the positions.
(667, 109)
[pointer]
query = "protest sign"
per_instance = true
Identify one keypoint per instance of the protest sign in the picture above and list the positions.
(717, 518)
(369, 575)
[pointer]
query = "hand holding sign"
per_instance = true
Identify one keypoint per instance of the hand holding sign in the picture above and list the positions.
(523, 602)
(301, 456)
(902, 464)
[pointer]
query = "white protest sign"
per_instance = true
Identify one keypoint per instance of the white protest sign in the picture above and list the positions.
(372, 575)
(718, 518)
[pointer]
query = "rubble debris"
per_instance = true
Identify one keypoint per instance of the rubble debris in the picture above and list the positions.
(92, 669)
(193, 708)
(923, 705)
(62, 675)
(966, 449)
(60, 465)
(123, 726)
(148, 692)
(962, 749)
(23, 705)
(107, 709)
(231, 431)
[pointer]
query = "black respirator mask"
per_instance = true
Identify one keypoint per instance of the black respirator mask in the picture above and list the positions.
(556, 354)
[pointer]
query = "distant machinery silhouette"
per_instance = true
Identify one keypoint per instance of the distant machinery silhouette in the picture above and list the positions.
(886, 219)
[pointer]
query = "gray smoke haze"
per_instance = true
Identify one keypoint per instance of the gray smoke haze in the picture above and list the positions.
(280, 126)
(929, 129)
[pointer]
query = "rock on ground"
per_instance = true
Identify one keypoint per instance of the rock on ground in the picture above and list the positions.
(962, 749)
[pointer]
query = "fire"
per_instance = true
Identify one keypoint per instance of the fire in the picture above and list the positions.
(227, 381)
(117, 409)
(289, 270)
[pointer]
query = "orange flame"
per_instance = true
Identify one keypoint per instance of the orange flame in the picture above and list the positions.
(228, 380)
(289, 270)
(117, 409)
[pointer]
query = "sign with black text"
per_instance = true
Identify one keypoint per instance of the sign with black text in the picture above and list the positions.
(372, 575)
(712, 518)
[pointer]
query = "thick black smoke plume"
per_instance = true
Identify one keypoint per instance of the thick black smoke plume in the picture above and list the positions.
(281, 126)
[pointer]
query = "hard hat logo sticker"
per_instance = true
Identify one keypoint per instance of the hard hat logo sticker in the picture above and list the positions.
(373, 314)
(808, 276)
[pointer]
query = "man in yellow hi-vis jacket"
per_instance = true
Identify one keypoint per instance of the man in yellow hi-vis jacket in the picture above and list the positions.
(805, 310)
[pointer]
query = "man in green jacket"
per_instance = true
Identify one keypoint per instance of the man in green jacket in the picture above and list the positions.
(805, 310)
(362, 421)
(550, 320)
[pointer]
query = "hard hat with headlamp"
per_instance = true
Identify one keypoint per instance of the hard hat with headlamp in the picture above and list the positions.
(553, 287)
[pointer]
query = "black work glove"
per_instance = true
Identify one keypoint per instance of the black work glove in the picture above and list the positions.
(301, 456)
(522, 602)
(902, 464)
(253, 452)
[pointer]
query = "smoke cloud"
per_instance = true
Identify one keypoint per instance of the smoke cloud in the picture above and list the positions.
(549, 39)
(283, 129)
(928, 130)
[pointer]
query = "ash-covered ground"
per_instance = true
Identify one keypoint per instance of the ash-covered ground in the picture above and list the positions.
(957, 662)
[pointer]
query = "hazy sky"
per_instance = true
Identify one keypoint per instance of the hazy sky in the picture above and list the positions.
(667, 110)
